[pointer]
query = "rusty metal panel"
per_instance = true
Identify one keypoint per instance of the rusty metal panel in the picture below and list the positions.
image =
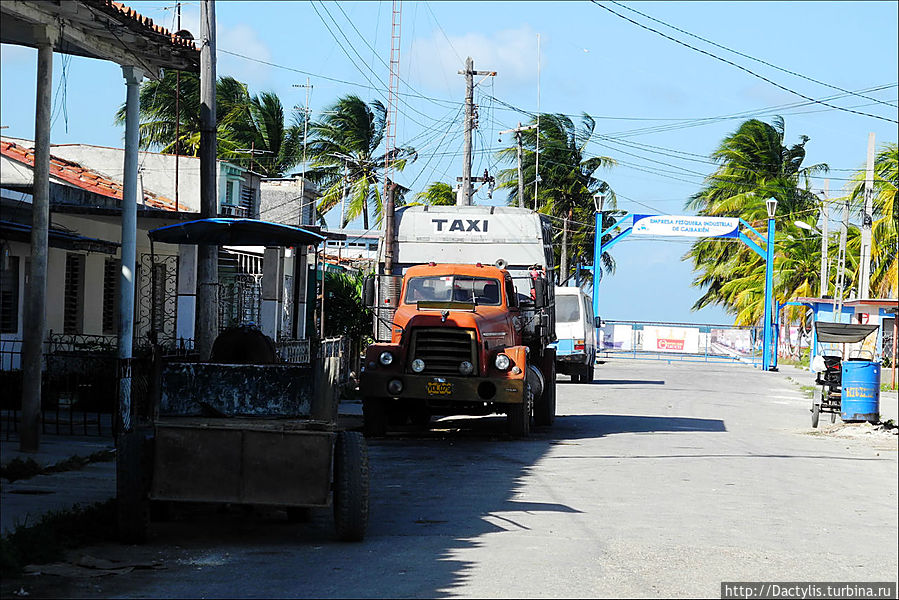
(264, 465)
(288, 469)
(197, 464)
(195, 389)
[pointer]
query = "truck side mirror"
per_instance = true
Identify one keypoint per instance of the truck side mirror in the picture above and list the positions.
(368, 291)
(597, 322)
(539, 293)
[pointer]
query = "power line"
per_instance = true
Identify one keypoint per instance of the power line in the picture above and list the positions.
(741, 67)
(807, 78)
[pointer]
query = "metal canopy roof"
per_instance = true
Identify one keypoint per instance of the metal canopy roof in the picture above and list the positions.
(843, 333)
(98, 29)
(234, 232)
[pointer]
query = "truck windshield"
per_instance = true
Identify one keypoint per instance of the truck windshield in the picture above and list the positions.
(567, 309)
(453, 288)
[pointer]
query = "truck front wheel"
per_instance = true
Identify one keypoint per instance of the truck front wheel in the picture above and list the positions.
(518, 418)
(374, 413)
(545, 407)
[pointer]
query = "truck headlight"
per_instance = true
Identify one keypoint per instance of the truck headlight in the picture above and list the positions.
(386, 358)
(466, 368)
(502, 362)
(418, 365)
(395, 387)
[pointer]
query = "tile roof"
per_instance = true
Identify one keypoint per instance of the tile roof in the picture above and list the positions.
(80, 177)
(141, 23)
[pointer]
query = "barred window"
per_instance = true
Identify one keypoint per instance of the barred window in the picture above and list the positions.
(111, 274)
(73, 299)
(9, 294)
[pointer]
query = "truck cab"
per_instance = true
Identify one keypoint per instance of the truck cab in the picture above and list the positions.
(576, 334)
(461, 344)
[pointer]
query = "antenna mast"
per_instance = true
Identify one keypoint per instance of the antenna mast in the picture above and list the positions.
(390, 136)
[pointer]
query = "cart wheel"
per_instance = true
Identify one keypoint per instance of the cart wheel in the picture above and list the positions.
(374, 413)
(545, 407)
(133, 463)
(833, 417)
(518, 418)
(816, 412)
(350, 486)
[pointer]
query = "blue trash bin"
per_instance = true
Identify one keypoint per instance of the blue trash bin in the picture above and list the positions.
(860, 393)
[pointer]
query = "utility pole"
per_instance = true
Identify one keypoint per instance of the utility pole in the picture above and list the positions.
(177, 112)
(537, 152)
(517, 131)
(864, 275)
(465, 198)
(825, 230)
(841, 266)
(308, 87)
(207, 254)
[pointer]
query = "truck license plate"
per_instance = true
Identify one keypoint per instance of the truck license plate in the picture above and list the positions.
(439, 388)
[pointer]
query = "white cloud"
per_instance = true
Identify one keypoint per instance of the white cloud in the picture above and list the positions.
(511, 52)
(243, 39)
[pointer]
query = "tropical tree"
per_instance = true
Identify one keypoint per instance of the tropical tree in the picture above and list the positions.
(568, 183)
(753, 166)
(250, 129)
(437, 193)
(346, 158)
(885, 220)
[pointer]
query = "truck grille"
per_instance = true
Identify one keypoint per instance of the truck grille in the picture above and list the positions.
(443, 349)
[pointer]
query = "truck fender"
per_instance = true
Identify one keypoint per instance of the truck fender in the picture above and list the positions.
(535, 381)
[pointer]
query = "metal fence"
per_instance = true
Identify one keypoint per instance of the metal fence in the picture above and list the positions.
(692, 342)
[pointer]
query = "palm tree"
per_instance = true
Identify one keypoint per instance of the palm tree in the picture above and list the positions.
(244, 123)
(568, 182)
(884, 259)
(160, 119)
(753, 165)
(343, 151)
(437, 193)
(260, 128)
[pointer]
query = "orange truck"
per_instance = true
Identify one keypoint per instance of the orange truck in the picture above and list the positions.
(464, 338)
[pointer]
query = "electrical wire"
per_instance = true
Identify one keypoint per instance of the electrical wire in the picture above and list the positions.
(741, 67)
(766, 63)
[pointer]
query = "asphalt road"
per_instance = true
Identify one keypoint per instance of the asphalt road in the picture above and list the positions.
(658, 480)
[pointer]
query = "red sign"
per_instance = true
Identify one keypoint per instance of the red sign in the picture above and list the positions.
(666, 344)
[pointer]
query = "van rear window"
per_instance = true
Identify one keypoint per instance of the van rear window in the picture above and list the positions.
(567, 309)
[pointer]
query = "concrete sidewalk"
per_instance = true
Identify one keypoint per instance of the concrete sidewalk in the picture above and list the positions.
(25, 500)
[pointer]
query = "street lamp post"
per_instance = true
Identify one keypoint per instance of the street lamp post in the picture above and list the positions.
(598, 200)
(771, 205)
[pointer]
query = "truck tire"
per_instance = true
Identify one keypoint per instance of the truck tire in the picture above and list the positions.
(374, 414)
(519, 416)
(350, 486)
(545, 407)
(133, 467)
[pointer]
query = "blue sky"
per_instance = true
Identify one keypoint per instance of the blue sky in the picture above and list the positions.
(661, 107)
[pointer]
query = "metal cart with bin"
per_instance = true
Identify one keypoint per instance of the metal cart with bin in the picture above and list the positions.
(831, 369)
(243, 428)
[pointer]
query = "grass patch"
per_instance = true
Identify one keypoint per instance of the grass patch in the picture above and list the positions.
(17, 468)
(808, 390)
(47, 540)
(886, 387)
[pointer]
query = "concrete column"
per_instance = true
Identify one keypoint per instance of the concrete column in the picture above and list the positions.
(300, 279)
(187, 292)
(272, 284)
(36, 288)
(133, 77)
